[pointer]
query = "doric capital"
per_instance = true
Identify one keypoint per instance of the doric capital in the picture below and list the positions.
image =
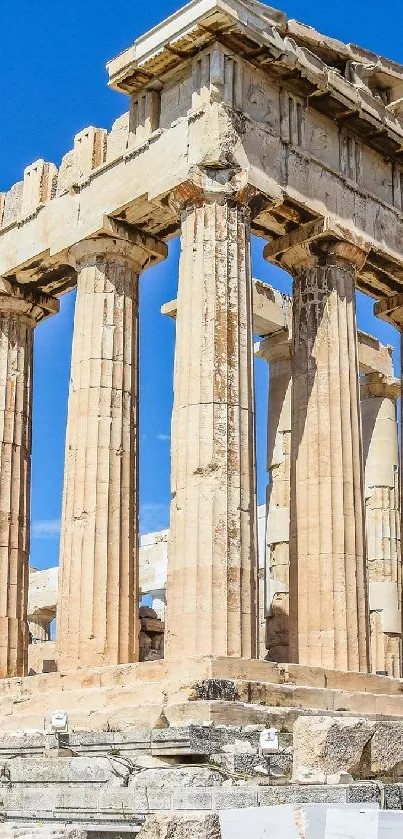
(16, 299)
(376, 384)
(277, 347)
(119, 242)
(208, 185)
(318, 242)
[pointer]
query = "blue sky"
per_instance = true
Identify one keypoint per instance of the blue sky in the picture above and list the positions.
(53, 84)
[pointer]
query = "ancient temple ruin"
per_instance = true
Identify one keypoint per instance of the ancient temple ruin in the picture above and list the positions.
(275, 681)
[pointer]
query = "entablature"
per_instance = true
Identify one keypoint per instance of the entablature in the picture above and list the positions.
(350, 84)
(226, 86)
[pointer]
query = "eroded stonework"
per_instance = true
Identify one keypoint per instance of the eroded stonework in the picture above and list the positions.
(239, 122)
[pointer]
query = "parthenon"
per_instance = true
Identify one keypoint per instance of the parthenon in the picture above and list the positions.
(272, 652)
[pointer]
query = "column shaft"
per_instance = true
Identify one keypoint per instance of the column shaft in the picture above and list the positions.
(39, 629)
(328, 590)
(381, 459)
(97, 614)
(16, 359)
(20, 311)
(278, 508)
(212, 564)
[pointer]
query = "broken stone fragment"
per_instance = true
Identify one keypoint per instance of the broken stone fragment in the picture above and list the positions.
(324, 746)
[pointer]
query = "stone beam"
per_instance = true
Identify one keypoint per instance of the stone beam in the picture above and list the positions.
(271, 309)
(42, 592)
(272, 313)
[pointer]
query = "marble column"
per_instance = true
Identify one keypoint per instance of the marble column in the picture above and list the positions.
(39, 629)
(391, 310)
(276, 350)
(212, 561)
(381, 459)
(329, 624)
(20, 312)
(98, 602)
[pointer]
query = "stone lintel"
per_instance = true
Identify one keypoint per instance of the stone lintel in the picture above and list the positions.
(374, 357)
(17, 299)
(271, 309)
(35, 248)
(296, 249)
(377, 384)
(384, 598)
(391, 310)
(272, 321)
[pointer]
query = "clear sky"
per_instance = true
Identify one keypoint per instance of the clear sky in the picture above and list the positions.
(53, 84)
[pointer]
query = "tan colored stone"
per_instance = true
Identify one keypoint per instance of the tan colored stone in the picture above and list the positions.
(381, 460)
(276, 350)
(20, 312)
(328, 586)
(98, 590)
(212, 563)
(325, 745)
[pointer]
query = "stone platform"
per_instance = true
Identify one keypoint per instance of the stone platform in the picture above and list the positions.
(220, 690)
(166, 747)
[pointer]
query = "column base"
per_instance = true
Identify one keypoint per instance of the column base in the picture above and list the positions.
(221, 690)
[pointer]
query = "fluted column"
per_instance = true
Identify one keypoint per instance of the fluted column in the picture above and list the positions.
(328, 587)
(98, 600)
(20, 312)
(381, 458)
(39, 629)
(276, 350)
(212, 563)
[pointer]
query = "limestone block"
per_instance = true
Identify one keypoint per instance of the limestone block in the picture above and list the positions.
(68, 173)
(384, 597)
(89, 149)
(12, 203)
(89, 152)
(117, 139)
(199, 777)
(181, 827)
(42, 594)
(387, 749)
(276, 766)
(271, 796)
(196, 798)
(261, 534)
(150, 799)
(153, 559)
(40, 653)
(176, 99)
(326, 745)
(278, 525)
(144, 116)
(40, 180)
(65, 770)
(229, 798)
